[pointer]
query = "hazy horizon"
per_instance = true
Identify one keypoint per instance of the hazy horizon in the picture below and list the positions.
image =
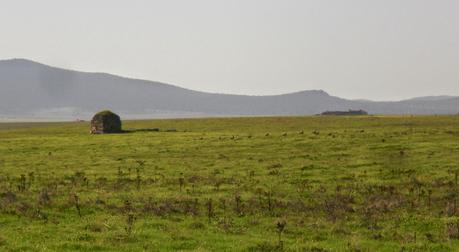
(210, 92)
(385, 50)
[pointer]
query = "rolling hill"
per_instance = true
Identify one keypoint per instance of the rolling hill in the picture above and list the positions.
(33, 90)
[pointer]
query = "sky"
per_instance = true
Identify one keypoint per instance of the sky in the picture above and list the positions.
(357, 49)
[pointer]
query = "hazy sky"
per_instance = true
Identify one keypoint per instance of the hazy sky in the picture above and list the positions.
(375, 49)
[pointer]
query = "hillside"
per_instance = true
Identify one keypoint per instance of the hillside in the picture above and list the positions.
(29, 89)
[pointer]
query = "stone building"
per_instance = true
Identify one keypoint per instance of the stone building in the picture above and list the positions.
(105, 122)
(345, 113)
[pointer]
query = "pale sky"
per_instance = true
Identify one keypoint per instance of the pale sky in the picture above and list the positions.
(373, 49)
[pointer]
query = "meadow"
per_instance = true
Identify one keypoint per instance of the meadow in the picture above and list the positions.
(368, 183)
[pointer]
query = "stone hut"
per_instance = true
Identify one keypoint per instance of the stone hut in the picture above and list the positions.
(105, 122)
(345, 113)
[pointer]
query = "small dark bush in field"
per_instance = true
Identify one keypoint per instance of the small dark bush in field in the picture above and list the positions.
(2, 241)
(226, 224)
(429, 198)
(451, 204)
(189, 206)
(197, 225)
(130, 219)
(127, 208)
(128, 211)
(22, 183)
(77, 204)
(181, 181)
(274, 172)
(276, 165)
(31, 178)
(39, 214)
(79, 178)
(430, 237)
(217, 184)
(284, 134)
(101, 182)
(269, 201)
(452, 230)
(44, 197)
(120, 178)
(338, 206)
(223, 204)
(9, 197)
(100, 201)
(238, 204)
(149, 206)
(96, 227)
(138, 179)
(304, 186)
(210, 210)
(280, 226)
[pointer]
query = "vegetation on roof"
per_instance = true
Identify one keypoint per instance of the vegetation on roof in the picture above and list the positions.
(104, 113)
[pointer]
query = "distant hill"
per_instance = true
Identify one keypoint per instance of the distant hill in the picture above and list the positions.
(434, 98)
(32, 90)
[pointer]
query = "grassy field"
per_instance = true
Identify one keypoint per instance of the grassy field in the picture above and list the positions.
(239, 184)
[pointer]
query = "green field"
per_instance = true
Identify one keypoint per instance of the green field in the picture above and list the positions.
(337, 183)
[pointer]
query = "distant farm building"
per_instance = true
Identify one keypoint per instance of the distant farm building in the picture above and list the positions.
(105, 122)
(345, 113)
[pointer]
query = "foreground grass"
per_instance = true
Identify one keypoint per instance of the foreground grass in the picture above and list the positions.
(338, 184)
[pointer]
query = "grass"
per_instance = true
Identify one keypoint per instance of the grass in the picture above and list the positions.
(237, 184)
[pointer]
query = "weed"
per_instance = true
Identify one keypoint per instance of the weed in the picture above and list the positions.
(280, 227)
(44, 197)
(77, 204)
(130, 219)
(210, 210)
(22, 183)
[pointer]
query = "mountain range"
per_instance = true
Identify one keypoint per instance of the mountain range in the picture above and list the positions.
(31, 90)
